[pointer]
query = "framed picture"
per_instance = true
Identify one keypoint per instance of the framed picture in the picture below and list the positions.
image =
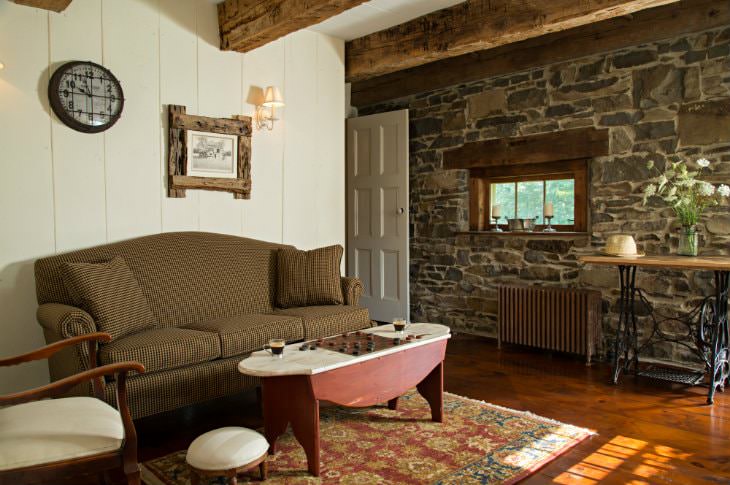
(206, 153)
(212, 155)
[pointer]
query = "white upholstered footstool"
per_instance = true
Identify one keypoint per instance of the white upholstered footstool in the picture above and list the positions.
(227, 452)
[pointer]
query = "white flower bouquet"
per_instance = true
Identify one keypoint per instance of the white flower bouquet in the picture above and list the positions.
(680, 188)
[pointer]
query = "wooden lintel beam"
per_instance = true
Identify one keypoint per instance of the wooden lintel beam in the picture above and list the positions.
(472, 26)
(547, 147)
(647, 26)
(248, 24)
(53, 5)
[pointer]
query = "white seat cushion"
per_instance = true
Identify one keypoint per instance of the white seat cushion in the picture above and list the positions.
(226, 448)
(52, 430)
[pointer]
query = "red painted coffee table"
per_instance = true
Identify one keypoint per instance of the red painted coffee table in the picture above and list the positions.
(353, 375)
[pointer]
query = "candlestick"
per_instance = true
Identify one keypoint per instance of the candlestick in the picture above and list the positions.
(549, 228)
(497, 211)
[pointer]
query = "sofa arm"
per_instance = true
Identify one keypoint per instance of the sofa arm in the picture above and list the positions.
(351, 289)
(60, 322)
(65, 320)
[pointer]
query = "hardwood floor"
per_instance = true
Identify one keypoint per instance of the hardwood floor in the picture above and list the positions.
(648, 432)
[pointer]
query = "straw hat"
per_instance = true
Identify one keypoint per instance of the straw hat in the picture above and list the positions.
(621, 245)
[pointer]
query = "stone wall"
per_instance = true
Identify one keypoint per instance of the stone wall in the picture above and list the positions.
(664, 101)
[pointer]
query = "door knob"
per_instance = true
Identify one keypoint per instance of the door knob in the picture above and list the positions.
(401, 210)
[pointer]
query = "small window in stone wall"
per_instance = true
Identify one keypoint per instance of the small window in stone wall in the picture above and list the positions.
(531, 192)
(535, 199)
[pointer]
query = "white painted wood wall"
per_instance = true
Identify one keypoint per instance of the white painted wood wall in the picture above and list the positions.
(61, 190)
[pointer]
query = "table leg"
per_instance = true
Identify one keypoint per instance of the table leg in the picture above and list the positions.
(634, 337)
(287, 400)
(625, 344)
(719, 343)
(432, 389)
(305, 424)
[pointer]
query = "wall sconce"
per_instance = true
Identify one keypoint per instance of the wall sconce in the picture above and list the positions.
(2, 65)
(265, 112)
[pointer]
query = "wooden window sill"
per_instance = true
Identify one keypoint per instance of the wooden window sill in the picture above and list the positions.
(535, 234)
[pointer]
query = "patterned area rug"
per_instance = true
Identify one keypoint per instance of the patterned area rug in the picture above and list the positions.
(477, 443)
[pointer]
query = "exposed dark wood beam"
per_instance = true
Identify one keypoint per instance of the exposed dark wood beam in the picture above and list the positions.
(473, 26)
(53, 5)
(247, 24)
(646, 26)
(547, 147)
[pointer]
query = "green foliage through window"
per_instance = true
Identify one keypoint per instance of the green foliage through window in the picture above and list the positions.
(526, 200)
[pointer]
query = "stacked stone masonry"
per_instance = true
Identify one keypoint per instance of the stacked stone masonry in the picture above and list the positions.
(664, 101)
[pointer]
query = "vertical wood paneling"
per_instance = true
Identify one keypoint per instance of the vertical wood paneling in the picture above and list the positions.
(26, 184)
(219, 94)
(262, 214)
(78, 167)
(62, 190)
(178, 85)
(132, 154)
(302, 124)
(330, 142)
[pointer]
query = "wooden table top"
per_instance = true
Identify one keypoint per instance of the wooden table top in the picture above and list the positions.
(712, 263)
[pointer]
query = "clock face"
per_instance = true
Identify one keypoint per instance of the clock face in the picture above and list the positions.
(86, 96)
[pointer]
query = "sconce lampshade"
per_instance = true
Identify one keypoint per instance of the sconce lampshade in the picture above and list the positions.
(273, 98)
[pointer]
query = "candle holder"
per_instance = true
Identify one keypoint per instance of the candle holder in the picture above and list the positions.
(496, 224)
(549, 228)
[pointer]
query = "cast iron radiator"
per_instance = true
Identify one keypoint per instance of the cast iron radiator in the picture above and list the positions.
(562, 319)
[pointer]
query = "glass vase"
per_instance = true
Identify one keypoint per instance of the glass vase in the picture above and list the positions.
(689, 241)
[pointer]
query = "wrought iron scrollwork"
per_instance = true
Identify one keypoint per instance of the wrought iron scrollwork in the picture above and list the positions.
(706, 330)
(713, 335)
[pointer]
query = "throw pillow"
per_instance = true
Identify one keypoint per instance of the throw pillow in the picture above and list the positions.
(110, 294)
(309, 277)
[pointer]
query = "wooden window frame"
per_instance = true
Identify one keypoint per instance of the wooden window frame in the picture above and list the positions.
(481, 179)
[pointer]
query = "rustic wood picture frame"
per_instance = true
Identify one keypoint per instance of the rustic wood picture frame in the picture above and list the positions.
(177, 179)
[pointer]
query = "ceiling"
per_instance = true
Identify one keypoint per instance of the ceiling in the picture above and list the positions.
(377, 15)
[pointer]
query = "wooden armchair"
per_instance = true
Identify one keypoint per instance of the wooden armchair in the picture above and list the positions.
(45, 440)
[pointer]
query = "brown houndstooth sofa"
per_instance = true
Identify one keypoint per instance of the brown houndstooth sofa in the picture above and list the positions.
(212, 296)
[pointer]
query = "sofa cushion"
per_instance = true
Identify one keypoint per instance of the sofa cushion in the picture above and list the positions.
(110, 294)
(163, 348)
(327, 320)
(52, 430)
(309, 277)
(245, 333)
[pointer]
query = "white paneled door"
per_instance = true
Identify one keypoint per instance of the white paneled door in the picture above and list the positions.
(377, 211)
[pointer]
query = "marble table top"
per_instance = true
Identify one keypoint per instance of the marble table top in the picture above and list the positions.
(309, 362)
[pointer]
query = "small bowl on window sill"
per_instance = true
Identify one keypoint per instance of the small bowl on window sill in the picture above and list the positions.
(521, 225)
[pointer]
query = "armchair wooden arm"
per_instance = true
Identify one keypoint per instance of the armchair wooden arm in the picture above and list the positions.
(126, 456)
(49, 350)
(45, 352)
(59, 387)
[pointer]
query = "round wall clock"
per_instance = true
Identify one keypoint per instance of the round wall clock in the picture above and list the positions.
(86, 96)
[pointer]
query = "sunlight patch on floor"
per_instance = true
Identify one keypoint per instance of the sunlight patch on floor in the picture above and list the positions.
(636, 456)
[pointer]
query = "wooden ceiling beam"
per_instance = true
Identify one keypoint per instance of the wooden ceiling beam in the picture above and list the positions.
(546, 147)
(647, 26)
(248, 24)
(473, 26)
(53, 5)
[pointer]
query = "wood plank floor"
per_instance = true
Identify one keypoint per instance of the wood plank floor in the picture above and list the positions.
(648, 432)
